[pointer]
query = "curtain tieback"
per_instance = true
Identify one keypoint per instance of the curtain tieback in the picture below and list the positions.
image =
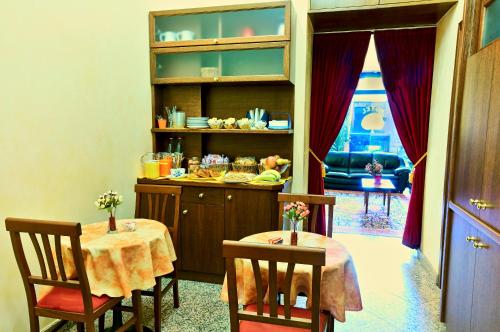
(410, 176)
(323, 168)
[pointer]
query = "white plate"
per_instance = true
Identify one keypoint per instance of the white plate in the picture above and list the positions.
(197, 127)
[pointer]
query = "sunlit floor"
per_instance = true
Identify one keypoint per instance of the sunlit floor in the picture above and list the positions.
(398, 291)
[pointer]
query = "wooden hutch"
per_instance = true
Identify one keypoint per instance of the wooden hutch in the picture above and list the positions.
(249, 45)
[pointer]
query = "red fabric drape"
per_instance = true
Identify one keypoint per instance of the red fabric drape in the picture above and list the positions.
(406, 59)
(337, 63)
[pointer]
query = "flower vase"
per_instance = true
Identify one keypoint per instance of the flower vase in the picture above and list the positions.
(378, 179)
(112, 224)
(162, 123)
(294, 234)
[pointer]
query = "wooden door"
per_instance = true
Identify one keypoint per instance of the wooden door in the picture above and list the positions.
(202, 233)
(469, 159)
(250, 211)
(461, 271)
(490, 194)
(486, 296)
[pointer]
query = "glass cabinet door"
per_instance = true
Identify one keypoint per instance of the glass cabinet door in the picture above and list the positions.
(223, 63)
(208, 26)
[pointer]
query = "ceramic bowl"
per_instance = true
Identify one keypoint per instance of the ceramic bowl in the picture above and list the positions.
(177, 172)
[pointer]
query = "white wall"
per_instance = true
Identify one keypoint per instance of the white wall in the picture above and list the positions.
(442, 82)
(75, 112)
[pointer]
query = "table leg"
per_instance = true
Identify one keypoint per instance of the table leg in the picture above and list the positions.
(137, 305)
(384, 197)
(388, 203)
(366, 201)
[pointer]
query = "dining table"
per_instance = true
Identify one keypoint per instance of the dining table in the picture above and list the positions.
(339, 288)
(122, 263)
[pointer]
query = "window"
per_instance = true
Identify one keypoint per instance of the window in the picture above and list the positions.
(369, 125)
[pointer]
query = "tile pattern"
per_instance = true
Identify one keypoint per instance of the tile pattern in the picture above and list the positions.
(398, 293)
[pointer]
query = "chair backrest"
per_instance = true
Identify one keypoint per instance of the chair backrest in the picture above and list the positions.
(160, 202)
(314, 202)
(50, 274)
(273, 254)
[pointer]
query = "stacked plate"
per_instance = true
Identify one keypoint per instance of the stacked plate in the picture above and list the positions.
(197, 122)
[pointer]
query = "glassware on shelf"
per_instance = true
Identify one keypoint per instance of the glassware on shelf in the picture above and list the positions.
(170, 145)
(178, 149)
(180, 120)
(150, 165)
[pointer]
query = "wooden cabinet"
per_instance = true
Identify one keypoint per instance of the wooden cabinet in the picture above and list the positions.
(250, 212)
(473, 301)
(471, 266)
(460, 287)
(469, 163)
(201, 234)
(220, 25)
(213, 212)
(221, 63)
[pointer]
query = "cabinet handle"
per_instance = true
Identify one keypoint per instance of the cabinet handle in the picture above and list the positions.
(185, 212)
(480, 245)
(215, 41)
(201, 195)
(483, 206)
(216, 79)
(229, 197)
(471, 239)
(473, 201)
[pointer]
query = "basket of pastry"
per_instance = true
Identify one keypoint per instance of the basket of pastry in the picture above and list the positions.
(245, 165)
(238, 177)
(204, 173)
(275, 163)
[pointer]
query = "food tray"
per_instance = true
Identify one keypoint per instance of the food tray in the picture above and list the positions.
(244, 168)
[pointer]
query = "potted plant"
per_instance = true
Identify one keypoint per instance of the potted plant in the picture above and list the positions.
(295, 212)
(162, 121)
(375, 170)
(109, 201)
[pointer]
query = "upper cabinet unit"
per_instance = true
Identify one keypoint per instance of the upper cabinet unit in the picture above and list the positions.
(234, 24)
(221, 63)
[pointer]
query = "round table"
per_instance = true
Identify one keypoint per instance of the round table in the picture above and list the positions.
(116, 264)
(339, 283)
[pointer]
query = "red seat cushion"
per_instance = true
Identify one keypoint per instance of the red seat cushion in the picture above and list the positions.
(248, 326)
(68, 299)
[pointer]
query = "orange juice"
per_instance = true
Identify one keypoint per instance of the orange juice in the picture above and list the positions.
(165, 166)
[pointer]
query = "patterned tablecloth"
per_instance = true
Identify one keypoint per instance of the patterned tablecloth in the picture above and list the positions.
(339, 282)
(118, 263)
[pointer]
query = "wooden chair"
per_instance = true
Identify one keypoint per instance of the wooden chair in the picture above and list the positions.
(69, 299)
(157, 208)
(261, 317)
(314, 202)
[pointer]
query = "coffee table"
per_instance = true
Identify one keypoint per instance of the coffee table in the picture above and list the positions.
(385, 187)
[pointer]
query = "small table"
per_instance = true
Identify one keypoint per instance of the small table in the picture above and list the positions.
(124, 263)
(339, 282)
(385, 187)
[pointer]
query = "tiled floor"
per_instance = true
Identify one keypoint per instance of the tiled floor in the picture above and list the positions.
(398, 294)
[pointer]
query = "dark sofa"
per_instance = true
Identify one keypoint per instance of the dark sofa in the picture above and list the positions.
(344, 170)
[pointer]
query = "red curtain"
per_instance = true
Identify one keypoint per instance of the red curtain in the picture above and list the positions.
(337, 62)
(406, 59)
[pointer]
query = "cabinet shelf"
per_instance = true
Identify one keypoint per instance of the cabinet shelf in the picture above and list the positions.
(222, 131)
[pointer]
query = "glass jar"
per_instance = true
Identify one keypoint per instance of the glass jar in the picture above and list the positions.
(150, 165)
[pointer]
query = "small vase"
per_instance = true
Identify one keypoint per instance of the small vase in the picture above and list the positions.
(378, 179)
(162, 123)
(293, 234)
(112, 224)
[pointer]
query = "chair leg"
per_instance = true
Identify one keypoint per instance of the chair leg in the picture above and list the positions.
(157, 304)
(80, 327)
(101, 322)
(331, 322)
(175, 290)
(89, 327)
(34, 323)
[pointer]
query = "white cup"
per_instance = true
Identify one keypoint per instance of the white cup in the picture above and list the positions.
(185, 35)
(167, 36)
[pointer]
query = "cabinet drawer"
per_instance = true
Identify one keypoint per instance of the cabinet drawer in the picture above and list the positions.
(203, 195)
